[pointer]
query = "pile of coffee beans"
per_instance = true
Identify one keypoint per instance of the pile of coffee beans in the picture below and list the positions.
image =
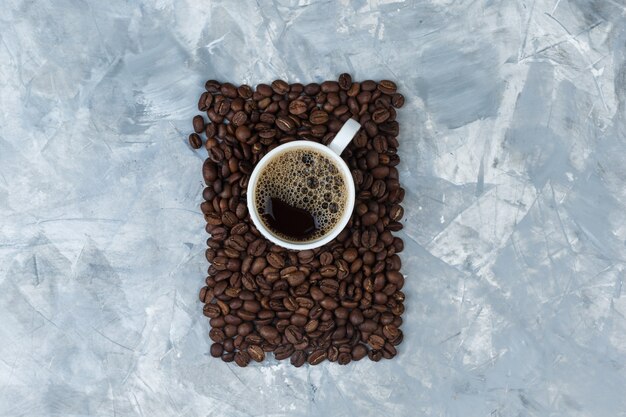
(341, 302)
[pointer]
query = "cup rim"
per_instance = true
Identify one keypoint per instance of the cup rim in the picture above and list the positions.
(341, 224)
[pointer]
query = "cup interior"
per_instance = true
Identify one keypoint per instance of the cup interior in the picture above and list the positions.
(345, 216)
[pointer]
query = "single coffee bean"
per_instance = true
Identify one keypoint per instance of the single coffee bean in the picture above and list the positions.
(345, 81)
(317, 117)
(344, 358)
(387, 87)
(212, 86)
(356, 317)
(317, 357)
(198, 124)
(297, 107)
(195, 141)
(359, 352)
(268, 332)
(283, 351)
(293, 334)
(329, 87)
(242, 359)
(228, 90)
(285, 123)
(280, 87)
(298, 358)
(380, 115)
(264, 90)
(368, 85)
(397, 100)
(216, 350)
(256, 353)
(376, 342)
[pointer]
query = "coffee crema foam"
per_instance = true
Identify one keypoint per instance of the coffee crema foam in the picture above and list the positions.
(308, 180)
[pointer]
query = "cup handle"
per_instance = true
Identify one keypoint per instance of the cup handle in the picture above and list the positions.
(344, 136)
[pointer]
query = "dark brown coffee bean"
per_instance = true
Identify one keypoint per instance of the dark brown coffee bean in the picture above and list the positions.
(359, 352)
(329, 286)
(293, 334)
(387, 87)
(397, 100)
(317, 357)
(198, 124)
(280, 87)
(345, 81)
(228, 90)
(349, 255)
(318, 117)
(344, 358)
(368, 85)
(376, 342)
(328, 271)
(329, 303)
(306, 256)
(258, 265)
(329, 87)
(256, 353)
(268, 333)
(326, 258)
(283, 352)
(396, 212)
(275, 259)
(380, 115)
(242, 359)
(212, 86)
(285, 123)
(264, 90)
(212, 310)
(369, 218)
(216, 350)
(297, 107)
(395, 278)
(356, 317)
(217, 335)
(202, 102)
(195, 141)
(298, 358)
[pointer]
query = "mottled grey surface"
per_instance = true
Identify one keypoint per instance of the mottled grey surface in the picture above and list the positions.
(513, 150)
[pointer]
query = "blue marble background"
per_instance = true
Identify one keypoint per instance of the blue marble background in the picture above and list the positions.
(513, 157)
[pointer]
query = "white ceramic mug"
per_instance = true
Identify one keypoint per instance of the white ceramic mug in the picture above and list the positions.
(332, 152)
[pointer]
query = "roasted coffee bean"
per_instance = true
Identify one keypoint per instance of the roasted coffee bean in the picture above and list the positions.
(306, 256)
(318, 117)
(397, 100)
(293, 334)
(285, 123)
(317, 357)
(280, 87)
(242, 359)
(356, 317)
(359, 352)
(387, 87)
(216, 350)
(256, 353)
(297, 107)
(268, 333)
(198, 124)
(283, 352)
(345, 81)
(298, 358)
(195, 141)
(217, 335)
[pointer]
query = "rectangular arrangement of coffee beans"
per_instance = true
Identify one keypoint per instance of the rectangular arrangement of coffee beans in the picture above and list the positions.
(339, 303)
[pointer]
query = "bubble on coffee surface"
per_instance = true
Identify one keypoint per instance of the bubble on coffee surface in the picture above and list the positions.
(307, 180)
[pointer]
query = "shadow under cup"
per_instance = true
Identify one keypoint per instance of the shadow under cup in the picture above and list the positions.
(304, 187)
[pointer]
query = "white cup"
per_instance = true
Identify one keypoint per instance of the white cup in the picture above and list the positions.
(332, 152)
